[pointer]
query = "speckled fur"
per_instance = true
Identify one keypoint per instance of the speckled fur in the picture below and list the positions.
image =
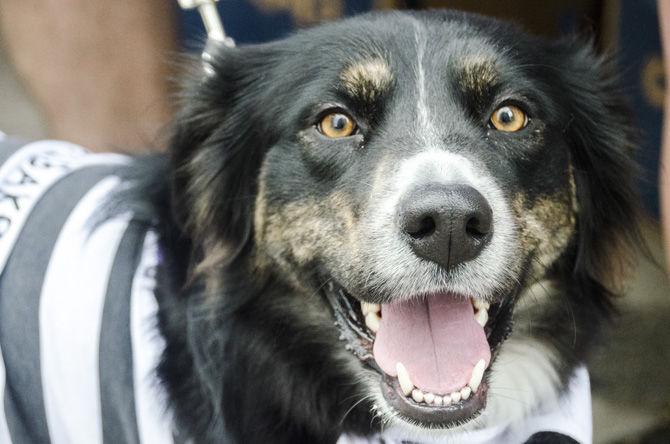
(547, 225)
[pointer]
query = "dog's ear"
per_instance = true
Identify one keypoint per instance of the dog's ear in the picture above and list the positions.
(219, 140)
(602, 143)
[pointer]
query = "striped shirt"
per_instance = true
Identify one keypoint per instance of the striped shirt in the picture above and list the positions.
(78, 339)
(78, 343)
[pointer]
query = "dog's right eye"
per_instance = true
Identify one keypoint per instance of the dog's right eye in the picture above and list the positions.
(336, 125)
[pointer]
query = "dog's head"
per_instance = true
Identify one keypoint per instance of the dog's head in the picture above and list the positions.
(412, 177)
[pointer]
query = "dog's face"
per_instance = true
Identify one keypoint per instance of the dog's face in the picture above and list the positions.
(412, 177)
(424, 173)
(424, 161)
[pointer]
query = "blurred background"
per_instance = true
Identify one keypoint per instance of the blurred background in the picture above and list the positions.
(102, 74)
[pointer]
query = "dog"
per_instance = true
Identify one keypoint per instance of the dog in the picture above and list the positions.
(404, 226)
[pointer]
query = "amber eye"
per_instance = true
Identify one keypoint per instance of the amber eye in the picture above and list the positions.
(336, 125)
(509, 118)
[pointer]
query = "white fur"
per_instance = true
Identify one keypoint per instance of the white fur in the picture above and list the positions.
(426, 129)
(397, 270)
(523, 376)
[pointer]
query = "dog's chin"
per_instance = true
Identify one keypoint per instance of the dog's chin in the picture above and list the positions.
(429, 416)
(395, 403)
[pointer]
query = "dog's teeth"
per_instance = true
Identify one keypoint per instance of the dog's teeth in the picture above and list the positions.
(482, 317)
(403, 378)
(477, 374)
(372, 321)
(417, 395)
(446, 399)
(438, 400)
(367, 307)
(480, 305)
(429, 398)
(455, 397)
(465, 392)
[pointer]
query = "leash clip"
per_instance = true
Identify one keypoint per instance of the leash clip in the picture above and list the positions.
(210, 17)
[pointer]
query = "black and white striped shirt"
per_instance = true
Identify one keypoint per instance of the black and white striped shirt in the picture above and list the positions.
(78, 344)
(78, 340)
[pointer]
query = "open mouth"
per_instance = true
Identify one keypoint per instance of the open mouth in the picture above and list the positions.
(433, 352)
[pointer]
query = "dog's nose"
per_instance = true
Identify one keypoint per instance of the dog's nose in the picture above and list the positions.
(446, 224)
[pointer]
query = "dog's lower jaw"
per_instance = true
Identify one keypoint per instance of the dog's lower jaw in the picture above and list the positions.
(522, 377)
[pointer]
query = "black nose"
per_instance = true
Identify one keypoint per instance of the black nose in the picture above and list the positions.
(446, 224)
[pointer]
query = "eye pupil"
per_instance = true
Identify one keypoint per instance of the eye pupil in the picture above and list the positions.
(506, 115)
(339, 122)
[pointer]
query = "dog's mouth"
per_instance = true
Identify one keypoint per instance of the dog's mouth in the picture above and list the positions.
(433, 352)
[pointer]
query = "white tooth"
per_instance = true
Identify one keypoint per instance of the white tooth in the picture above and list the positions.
(437, 400)
(482, 317)
(367, 307)
(446, 399)
(455, 396)
(429, 398)
(465, 392)
(403, 378)
(417, 395)
(477, 374)
(479, 304)
(372, 321)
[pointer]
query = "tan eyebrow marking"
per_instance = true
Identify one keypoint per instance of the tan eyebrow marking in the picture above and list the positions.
(476, 74)
(367, 79)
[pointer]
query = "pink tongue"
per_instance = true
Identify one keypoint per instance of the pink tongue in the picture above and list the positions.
(437, 339)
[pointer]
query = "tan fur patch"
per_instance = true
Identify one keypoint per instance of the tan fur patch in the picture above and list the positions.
(298, 232)
(573, 188)
(477, 73)
(367, 79)
(260, 209)
(547, 225)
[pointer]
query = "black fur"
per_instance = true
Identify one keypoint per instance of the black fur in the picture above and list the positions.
(242, 362)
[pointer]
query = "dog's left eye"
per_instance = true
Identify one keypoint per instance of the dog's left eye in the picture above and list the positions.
(509, 118)
(337, 125)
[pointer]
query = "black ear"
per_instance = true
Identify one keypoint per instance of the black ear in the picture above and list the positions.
(217, 148)
(602, 143)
